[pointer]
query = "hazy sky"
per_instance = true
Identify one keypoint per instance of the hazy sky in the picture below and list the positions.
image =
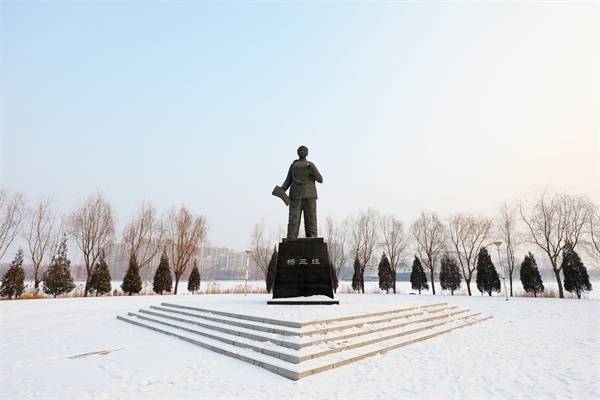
(404, 107)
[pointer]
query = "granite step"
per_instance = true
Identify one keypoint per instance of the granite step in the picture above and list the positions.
(298, 342)
(312, 328)
(314, 350)
(295, 324)
(349, 352)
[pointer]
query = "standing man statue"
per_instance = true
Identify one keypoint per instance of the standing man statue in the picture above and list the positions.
(301, 179)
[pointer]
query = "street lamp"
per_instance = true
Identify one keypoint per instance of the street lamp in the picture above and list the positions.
(498, 243)
(247, 266)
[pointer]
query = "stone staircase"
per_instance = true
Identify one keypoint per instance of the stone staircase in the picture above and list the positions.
(299, 349)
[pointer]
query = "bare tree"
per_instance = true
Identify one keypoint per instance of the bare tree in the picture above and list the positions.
(553, 221)
(507, 226)
(363, 239)
(12, 212)
(42, 237)
(468, 234)
(395, 241)
(430, 238)
(143, 235)
(593, 232)
(336, 235)
(92, 227)
(260, 248)
(184, 234)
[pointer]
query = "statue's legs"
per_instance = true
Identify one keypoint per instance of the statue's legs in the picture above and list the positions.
(309, 208)
(294, 218)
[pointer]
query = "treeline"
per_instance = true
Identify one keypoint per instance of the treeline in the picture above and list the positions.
(90, 226)
(455, 250)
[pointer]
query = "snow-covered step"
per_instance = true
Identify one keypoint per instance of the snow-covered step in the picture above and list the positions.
(265, 347)
(298, 342)
(259, 326)
(325, 363)
(328, 327)
(375, 328)
(312, 350)
(348, 354)
(273, 364)
(291, 324)
(294, 324)
(261, 336)
(312, 328)
(337, 346)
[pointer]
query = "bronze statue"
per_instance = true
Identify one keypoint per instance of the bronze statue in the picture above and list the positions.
(301, 179)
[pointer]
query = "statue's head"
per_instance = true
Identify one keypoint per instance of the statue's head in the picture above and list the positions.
(302, 151)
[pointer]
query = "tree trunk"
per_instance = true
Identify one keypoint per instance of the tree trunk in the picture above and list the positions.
(36, 284)
(432, 282)
(452, 292)
(394, 282)
(176, 283)
(468, 281)
(510, 280)
(559, 282)
(87, 284)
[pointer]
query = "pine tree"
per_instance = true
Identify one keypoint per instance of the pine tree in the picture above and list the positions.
(488, 280)
(100, 280)
(194, 279)
(530, 276)
(356, 276)
(385, 274)
(163, 280)
(58, 279)
(132, 283)
(450, 276)
(418, 279)
(271, 270)
(13, 282)
(575, 273)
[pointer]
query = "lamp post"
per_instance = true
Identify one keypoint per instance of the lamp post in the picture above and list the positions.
(247, 266)
(498, 243)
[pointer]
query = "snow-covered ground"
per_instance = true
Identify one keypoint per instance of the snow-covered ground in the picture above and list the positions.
(532, 348)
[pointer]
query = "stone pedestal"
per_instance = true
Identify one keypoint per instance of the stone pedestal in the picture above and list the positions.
(302, 270)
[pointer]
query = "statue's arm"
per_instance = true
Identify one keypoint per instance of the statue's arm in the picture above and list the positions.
(288, 180)
(315, 173)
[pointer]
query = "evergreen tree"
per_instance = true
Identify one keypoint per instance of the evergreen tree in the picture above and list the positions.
(530, 276)
(194, 279)
(575, 273)
(163, 280)
(450, 276)
(487, 276)
(132, 283)
(58, 278)
(100, 280)
(385, 274)
(418, 279)
(356, 282)
(13, 282)
(271, 270)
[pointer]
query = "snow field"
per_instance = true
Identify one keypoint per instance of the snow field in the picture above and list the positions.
(532, 348)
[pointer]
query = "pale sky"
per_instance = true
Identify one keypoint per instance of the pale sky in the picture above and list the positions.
(404, 107)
